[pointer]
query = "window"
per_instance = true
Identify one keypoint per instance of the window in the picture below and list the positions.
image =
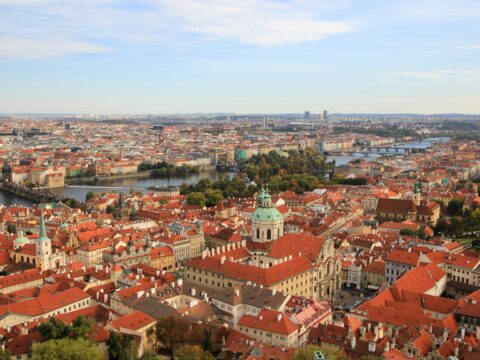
(269, 234)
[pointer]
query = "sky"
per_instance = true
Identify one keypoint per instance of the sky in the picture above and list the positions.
(239, 56)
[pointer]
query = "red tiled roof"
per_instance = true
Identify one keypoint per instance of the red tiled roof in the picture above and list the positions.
(20, 278)
(269, 320)
(133, 321)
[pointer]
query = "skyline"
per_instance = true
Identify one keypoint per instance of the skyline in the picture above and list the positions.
(207, 56)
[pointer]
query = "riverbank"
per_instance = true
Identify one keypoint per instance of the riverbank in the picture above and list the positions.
(91, 180)
(101, 180)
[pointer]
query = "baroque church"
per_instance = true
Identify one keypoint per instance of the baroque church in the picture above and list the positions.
(299, 264)
(38, 252)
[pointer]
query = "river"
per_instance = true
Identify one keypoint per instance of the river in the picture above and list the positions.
(79, 192)
(345, 159)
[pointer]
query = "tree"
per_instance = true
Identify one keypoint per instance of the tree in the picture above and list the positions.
(11, 228)
(67, 349)
(121, 347)
(54, 329)
(196, 198)
(81, 327)
(57, 329)
(407, 232)
(213, 197)
(89, 195)
(109, 209)
(195, 352)
(4, 354)
(207, 340)
(421, 233)
(172, 331)
(455, 207)
(330, 352)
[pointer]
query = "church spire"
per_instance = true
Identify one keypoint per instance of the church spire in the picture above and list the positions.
(43, 232)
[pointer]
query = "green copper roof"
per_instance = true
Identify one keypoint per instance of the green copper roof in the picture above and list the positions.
(21, 239)
(43, 232)
(417, 187)
(267, 214)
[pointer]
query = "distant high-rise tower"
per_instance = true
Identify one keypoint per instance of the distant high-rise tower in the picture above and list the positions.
(264, 122)
(307, 115)
(325, 115)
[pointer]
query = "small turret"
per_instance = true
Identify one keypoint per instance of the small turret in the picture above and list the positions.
(417, 194)
(199, 227)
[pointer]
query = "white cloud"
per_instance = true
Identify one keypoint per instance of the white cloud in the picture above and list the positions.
(475, 47)
(27, 27)
(46, 48)
(254, 22)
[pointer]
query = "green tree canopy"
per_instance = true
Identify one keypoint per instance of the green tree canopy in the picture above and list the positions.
(455, 207)
(330, 352)
(67, 349)
(196, 198)
(213, 197)
(89, 195)
(172, 331)
(408, 232)
(4, 354)
(57, 329)
(193, 352)
(121, 347)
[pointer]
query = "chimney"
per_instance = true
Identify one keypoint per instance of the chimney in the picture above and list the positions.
(237, 292)
(140, 294)
(462, 333)
(279, 317)
(371, 346)
(193, 291)
(455, 350)
(260, 317)
(222, 259)
(353, 342)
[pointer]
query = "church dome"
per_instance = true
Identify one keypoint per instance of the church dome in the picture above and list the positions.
(267, 214)
(21, 239)
(265, 211)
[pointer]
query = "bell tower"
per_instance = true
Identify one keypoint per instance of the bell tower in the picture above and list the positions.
(43, 245)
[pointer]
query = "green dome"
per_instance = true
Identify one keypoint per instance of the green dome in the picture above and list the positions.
(21, 239)
(267, 215)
